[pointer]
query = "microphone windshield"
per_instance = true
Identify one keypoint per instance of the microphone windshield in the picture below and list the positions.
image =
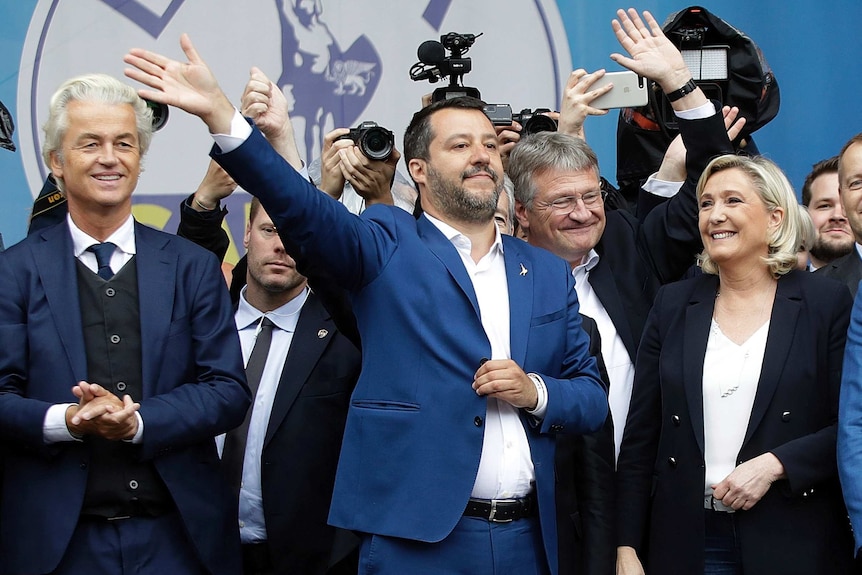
(431, 52)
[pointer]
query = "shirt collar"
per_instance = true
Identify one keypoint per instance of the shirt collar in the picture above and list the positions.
(123, 238)
(284, 317)
(592, 261)
(459, 240)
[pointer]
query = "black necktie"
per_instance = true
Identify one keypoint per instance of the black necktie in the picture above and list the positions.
(103, 258)
(234, 442)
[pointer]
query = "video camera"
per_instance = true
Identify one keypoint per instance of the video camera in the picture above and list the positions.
(433, 65)
(373, 140)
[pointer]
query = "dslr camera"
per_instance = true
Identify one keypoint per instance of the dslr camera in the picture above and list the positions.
(532, 121)
(375, 141)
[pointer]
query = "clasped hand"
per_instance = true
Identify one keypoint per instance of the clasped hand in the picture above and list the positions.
(100, 412)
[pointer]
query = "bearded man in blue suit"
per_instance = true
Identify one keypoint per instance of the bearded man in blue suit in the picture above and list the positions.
(119, 363)
(473, 352)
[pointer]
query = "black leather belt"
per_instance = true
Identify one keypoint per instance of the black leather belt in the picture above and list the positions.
(501, 510)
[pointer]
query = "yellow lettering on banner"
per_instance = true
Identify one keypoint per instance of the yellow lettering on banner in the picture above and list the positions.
(157, 217)
(152, 215)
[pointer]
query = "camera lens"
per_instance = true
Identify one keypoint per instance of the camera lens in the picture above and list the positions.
(160, 114)
(540, 123)
(376, 143)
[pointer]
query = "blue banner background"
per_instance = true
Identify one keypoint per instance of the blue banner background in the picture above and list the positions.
(812, 46)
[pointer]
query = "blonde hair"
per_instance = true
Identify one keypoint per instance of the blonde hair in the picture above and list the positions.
(775, 191)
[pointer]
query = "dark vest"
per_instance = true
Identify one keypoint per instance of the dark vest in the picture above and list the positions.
(118, 484)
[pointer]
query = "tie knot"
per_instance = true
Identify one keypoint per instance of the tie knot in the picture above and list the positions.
(266, 323)
(103, 253)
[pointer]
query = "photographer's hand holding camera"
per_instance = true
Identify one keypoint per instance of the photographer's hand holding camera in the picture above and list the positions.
(342, 161)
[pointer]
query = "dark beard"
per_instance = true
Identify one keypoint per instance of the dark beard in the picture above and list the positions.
(829, 251)
(456, 201)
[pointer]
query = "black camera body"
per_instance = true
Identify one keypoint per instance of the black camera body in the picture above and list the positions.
(375, 141)
(532, 121)
(535, 121)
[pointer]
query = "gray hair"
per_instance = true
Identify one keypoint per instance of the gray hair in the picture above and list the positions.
(775, 191)
(546, 151)
(94, 88)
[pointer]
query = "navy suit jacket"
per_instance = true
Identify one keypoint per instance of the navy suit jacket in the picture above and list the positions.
(800, 525)
(415, 426)
(193, 389)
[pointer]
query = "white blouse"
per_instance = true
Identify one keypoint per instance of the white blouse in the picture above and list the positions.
(730, 376)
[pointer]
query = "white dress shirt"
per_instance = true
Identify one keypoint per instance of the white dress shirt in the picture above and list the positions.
(252, 526)
(621, 369)
(506, 466)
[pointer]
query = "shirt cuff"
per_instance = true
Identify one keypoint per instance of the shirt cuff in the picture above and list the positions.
(703, 111)
(138, 438)
(542, 391)
(240, 130)
(54, 428)
(661, 188)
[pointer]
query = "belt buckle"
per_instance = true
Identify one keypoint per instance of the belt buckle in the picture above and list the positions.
(718, 505)
(118, 518)
(492, 517)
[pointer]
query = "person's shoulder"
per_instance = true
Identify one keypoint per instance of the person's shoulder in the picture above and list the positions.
(536, 254)
(697, 287)
(22, 249)
(819, 289)
(835, 267)
(165, 241)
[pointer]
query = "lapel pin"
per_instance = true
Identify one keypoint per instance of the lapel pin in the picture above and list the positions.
(322, 334)
(523, 270)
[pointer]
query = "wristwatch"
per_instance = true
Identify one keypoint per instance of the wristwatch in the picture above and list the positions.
(686, 89)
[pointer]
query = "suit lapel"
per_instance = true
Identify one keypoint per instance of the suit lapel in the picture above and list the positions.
(314, 330)
(698, 319)
(56, 264)
(782, 326)
(520, 283)
(605, 287)
(157, 277)
(443, 249)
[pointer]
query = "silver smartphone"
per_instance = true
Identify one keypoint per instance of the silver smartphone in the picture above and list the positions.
(629, 91)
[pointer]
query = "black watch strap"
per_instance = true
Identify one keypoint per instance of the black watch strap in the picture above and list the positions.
(686, 89)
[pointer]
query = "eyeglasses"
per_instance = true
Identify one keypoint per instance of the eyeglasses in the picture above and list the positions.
(565, 205)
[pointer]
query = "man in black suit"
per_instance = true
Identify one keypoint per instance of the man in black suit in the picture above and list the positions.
(848, 269)
(297, 418)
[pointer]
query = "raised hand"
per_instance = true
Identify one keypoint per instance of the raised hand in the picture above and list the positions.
(652, 54)
(190, 86)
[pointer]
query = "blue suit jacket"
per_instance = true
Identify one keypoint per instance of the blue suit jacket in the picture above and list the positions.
(193, 389)
(850, 419)
(415, 426)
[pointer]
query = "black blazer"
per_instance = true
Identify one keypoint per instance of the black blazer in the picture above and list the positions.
(584, 466)
(846, 269)
(800, 525)
(303, 441)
